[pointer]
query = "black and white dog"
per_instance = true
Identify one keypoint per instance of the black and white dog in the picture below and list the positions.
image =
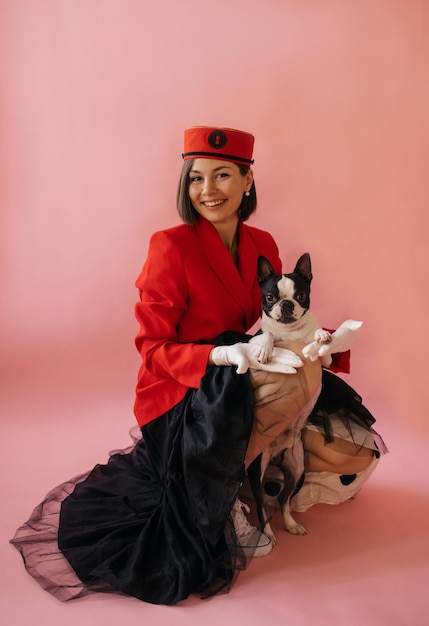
(285, 315)
(286, 308)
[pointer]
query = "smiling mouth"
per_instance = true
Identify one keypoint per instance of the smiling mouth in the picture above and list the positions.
(210, 204)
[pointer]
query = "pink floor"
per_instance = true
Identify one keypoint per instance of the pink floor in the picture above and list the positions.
(363, 562)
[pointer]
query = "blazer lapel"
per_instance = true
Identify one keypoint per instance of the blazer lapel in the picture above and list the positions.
(239, 282)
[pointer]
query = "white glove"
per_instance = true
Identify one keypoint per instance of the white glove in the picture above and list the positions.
(243, 355)
(342, 340)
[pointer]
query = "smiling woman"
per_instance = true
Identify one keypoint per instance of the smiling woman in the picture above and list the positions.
(216, 190)
(164, 520)
(197, 156)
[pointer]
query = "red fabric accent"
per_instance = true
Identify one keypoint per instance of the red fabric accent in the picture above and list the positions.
(340, 360)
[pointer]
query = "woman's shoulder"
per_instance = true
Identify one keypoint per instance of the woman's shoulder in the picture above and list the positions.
(166, 248)
(174, 235)
(173, 232)
(263, 243)
(259, 235)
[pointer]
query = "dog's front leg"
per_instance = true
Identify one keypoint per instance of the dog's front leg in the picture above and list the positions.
(264, 344)
(323, 337)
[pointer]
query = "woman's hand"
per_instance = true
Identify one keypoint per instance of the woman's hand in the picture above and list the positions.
(342, 340)
(244, 356)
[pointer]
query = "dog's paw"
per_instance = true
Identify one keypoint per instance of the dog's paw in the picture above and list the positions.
(297, 529)
(263, 347)
(322, 336)
(268, 531)
(292, 526)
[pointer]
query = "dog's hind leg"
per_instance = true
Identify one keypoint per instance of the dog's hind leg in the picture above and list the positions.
(291, 524)
(255, 474)
(292, 466)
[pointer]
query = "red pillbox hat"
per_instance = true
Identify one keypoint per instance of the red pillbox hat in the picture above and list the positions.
(225, 144)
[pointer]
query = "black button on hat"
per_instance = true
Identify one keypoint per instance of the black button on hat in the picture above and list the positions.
(217, 139)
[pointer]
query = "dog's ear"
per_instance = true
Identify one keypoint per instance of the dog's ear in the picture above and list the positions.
(303, 267)
(265, 269)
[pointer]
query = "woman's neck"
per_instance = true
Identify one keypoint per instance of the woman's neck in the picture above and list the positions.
(230, 239)
(228, 233)
(229, 236)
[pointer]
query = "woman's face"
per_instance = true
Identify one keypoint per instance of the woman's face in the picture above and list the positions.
(216, 190)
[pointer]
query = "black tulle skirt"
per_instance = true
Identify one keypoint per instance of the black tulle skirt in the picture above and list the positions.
(154, 522)
(339, 412)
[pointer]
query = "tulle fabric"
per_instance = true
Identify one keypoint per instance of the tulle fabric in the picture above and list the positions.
(154, 521)
(37, 541)
(339, 413)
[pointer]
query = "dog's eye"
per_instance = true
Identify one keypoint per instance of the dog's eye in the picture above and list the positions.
(269, 298)
(300, 296)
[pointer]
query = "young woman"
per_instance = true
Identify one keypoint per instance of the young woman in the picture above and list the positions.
(164, 520)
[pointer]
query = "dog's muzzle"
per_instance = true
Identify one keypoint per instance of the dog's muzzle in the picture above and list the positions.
(287, 308)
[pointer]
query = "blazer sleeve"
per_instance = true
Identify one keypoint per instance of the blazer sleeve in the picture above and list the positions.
(163, 293)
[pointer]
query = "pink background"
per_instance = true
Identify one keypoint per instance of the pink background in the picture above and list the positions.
(95, 96)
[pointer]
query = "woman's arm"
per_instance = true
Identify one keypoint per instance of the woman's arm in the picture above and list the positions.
(164, 301)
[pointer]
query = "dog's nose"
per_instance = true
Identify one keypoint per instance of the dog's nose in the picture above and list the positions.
(287, 307)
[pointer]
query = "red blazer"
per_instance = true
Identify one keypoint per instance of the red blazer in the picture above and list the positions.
(191, 290)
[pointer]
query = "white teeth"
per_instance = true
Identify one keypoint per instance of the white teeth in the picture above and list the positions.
(214, 203)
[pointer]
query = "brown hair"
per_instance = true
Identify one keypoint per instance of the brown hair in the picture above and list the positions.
(184, 205)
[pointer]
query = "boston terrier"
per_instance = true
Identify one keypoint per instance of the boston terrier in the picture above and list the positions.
(285, 315)
(286, 308)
